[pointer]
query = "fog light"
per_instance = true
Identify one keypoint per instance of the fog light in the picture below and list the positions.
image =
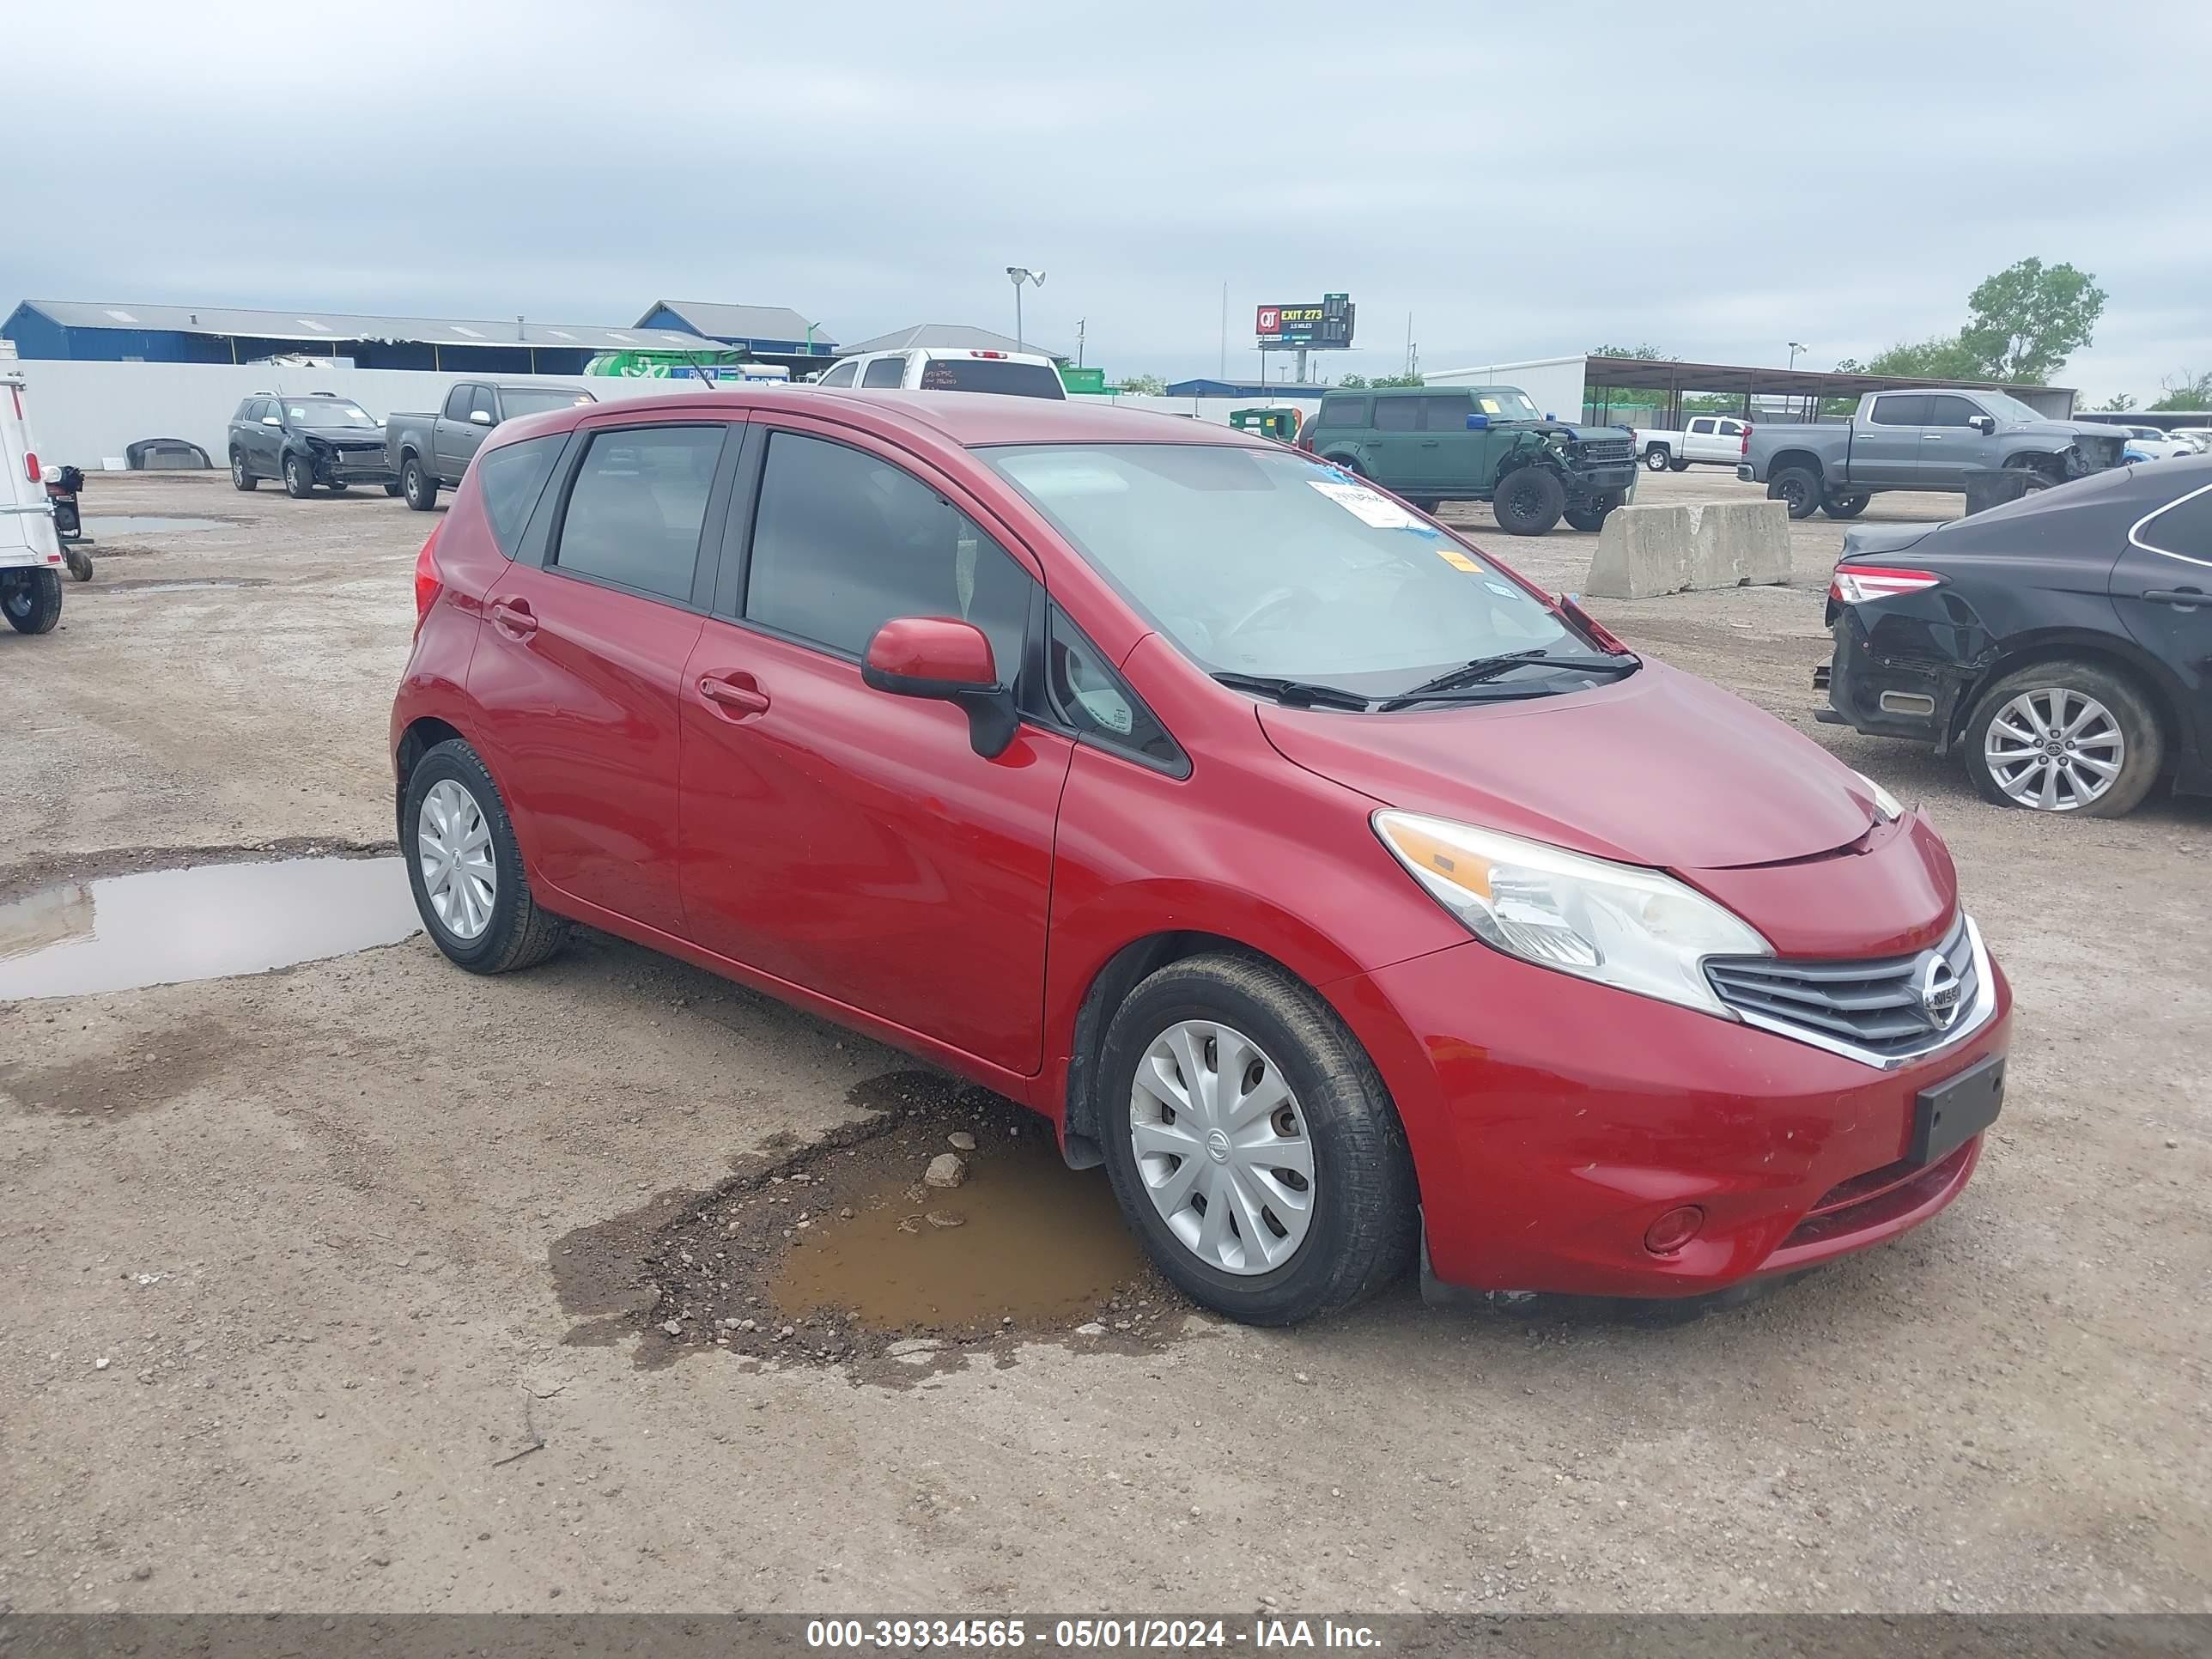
(1674, 1230)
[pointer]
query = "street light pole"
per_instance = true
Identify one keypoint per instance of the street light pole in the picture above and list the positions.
(1795, 346)
(1017, 275)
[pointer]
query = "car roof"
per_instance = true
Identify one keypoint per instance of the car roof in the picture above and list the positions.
(969, 419)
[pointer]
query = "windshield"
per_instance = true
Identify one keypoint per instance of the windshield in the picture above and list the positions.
(2008, 409)
(327, 411)
(1265, 562)
(536, 400)
(1504, 402)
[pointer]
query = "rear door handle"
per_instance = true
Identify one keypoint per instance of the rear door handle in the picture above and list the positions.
(737, 696)
(512, 618)
(2187, 598)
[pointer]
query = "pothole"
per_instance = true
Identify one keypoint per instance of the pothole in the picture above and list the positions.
(840, 1255)
(203, 921)
(132, 523)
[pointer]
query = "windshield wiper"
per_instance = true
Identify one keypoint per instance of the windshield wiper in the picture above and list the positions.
(1469, 676)
(1298, 694)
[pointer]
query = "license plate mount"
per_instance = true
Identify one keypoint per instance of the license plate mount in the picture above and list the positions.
(1947, 1117)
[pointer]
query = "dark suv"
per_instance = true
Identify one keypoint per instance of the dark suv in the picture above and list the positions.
(305, 440)
(1483, 443)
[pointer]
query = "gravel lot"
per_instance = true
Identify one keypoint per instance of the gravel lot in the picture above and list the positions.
(284, 1255)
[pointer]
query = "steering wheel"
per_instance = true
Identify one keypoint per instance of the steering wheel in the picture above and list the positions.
(1274, 600)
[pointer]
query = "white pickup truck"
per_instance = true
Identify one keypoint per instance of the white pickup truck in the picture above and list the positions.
(1717, 439)
(30, 548)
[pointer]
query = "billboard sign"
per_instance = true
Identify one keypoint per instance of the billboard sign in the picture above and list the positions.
(1325, 325)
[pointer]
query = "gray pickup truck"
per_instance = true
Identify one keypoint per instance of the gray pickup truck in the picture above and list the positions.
(430, 451)
(1918, 440)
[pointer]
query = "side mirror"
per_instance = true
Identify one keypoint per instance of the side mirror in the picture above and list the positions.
(1985, 424)
(480, 417)
(950, 661)
(1478, 423)
(272, 420)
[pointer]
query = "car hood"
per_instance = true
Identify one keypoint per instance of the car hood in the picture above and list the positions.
(1661, 768)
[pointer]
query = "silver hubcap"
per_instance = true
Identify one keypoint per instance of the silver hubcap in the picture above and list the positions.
(453, 843)
(2054, 749)
(1222, 1147)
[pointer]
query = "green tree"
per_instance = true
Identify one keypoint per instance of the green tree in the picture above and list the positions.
(1148, 385)
(2118, 403)
(2185, 391)
(1606, 396)
(2023, 323)
(1368, 382)
(1354, 383)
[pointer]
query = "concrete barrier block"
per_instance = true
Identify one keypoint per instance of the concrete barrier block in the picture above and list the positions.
(1644, 552)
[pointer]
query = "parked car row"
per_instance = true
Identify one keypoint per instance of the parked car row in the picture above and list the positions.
(319, 439)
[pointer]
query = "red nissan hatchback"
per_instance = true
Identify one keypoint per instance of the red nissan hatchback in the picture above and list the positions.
(1344, 894)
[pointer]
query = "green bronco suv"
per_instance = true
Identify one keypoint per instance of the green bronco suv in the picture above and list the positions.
(1480, 443)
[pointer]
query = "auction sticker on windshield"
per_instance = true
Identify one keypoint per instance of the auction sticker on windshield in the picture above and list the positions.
(1369, 507)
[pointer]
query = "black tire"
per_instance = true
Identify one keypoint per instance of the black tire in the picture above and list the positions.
(1657, 457)
(1591, 515)
(79, 562)
(393, 489)
(1845, 506)
(1798, 489)
(1530, 501)
(299, 478)
(1365, 1215)
(1427, 504)
(522, 934)
(1678, 463)
(2048, 468)
(2131, 711)
(241, 472)
(420, 488)
(32, 600)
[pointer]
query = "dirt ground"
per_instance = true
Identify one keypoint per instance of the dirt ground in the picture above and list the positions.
(290, 1283)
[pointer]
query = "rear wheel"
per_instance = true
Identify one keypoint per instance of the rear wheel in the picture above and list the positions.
(241, 475)
(1656, 458)
(466, 867)
(2065, 736)
(32, 600)
(1530, 501)
(420, 488)
(1798, 489)
(299, 478)
(1845, 506)
(1251, 1144)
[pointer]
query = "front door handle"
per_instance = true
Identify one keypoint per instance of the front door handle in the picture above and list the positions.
(738, 697)
(512, 618)
(1429, 443)
(2186, 598)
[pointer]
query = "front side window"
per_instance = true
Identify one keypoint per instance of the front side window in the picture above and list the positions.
(1946, 410)
(844, 542)
(328, 412)
(636, 506)
(840, 375)
(482, 404)
(1730, 429)
(510, 479)
(1263, 562)
(1092, 700)
(884, 371)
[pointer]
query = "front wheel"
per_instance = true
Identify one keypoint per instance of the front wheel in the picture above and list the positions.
(1656, 458)
(1845, 506)
(420, 488)
(2065, 736)
(1530, 501)
(32, 600)
(1252, 1145)
(393, 489)
(1591, 515)
(1797, 489)
(299, 478)
(466, 867)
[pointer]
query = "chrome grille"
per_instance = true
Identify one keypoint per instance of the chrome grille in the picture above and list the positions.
(1883, 1007)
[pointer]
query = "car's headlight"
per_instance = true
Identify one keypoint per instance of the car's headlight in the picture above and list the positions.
(1617, 924)
(1887, 804)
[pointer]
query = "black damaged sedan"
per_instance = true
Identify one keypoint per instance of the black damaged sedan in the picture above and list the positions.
(2060, 644)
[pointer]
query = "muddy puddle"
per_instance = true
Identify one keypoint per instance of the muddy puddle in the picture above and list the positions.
(841, 1254)
(203, 921)
(128, 524)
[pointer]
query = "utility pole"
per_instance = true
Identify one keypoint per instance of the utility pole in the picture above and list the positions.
(1413, 353)
(1225, 332)
(1078, 341)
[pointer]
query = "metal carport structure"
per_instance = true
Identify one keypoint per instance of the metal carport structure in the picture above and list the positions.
(1670, 380)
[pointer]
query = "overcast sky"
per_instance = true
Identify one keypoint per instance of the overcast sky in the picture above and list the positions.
(1523, 181)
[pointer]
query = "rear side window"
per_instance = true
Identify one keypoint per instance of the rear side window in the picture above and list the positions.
(1343, 411)
(510, 479)
(1901, 408)
(1397, 414)
(840, 375)
(991, 375)
(1447, 413)
(457, 402)
(2183, 529)
(1092, 700)
(884, 371)
(844, 542)
(637, 507)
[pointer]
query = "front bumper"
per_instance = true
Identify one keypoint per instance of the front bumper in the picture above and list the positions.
(354, 466)
(1612, 478)
(1553, 1121)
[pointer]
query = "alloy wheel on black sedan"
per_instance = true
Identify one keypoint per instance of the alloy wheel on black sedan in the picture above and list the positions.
(2054, 749)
